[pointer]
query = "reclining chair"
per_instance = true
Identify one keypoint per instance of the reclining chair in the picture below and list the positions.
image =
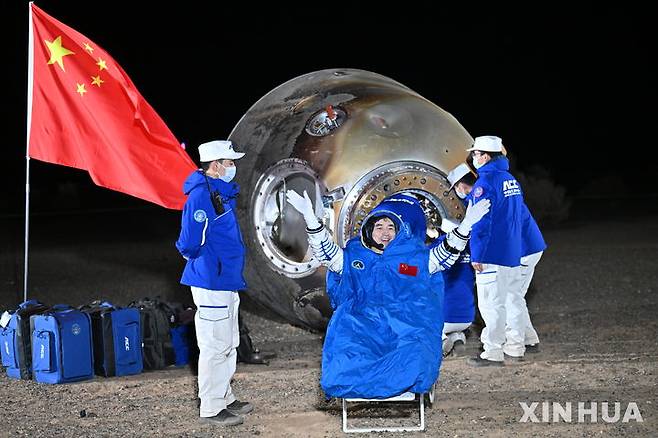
(405, 397)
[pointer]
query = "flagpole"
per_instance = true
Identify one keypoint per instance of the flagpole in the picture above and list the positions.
(30, 73)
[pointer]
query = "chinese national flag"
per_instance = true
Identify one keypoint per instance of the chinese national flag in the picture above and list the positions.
(86, 113)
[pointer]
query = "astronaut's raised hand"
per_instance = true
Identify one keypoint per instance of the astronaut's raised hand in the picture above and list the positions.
(303, 205)
(474, 212)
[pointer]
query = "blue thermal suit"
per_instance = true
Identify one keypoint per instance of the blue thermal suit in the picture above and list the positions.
(384, 337)
(459, 281)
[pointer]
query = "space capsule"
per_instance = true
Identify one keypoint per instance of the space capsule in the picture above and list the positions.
(349, 138)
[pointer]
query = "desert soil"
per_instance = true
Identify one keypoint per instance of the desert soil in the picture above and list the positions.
(593, 301)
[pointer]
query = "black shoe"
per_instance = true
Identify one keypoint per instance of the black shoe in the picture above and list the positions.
(532, 348)
(259, 357)
(514, 358)
(240, 408)
(224, 418)
(267, 354)
(479, 362)
(254, 358)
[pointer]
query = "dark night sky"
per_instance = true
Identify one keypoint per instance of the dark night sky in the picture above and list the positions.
(569, 89)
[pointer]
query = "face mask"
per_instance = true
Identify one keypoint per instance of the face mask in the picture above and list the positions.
(229, 173)
(460, 194)
(476, 164)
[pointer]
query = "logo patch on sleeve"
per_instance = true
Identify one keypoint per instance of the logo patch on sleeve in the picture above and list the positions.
(478, 192)
(200, 216)
(358, 264)
(408, 269)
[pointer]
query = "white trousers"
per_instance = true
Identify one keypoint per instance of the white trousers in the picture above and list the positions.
(526, 272)
(503, 310)
(218, 336)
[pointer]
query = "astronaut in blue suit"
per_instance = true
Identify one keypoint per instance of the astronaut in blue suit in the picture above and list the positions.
(459, 280)
(498, 244)
(383, 338)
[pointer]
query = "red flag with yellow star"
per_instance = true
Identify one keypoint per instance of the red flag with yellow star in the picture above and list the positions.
(86, 113)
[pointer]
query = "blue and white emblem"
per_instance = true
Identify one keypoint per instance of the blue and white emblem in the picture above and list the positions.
(200, 216)
(75, 329)
(358, 264)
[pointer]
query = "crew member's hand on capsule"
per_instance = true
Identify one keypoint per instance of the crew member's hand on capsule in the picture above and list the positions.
(305, 207)
(474, 212)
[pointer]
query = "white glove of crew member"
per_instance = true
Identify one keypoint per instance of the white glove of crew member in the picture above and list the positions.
(305, 207)
(474, 212)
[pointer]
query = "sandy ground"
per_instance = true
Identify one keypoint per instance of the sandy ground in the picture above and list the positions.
(593, 303)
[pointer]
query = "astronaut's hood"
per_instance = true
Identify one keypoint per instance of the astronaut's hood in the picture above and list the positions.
(405, 211)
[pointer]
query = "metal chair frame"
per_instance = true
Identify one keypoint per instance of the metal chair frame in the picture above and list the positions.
(407, 396)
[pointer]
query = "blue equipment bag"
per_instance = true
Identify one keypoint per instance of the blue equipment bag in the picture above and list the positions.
(7, 350)
(7, 342)
(62, 348)
(180, 336)
(117, 339)
(181, 328)
(15, 340)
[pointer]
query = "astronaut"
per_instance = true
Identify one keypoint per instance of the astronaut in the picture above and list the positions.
(383, 337)
(459, 280)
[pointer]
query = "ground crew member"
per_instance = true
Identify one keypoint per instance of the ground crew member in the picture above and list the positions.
(496, 250)
(211, 242)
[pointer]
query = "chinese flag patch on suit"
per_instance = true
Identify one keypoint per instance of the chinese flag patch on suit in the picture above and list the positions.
(408, 269)
(86, 113)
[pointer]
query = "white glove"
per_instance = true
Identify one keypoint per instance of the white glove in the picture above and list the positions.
(474, 212)
(305, 207)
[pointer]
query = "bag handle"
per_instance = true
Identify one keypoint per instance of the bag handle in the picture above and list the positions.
(61, 307)
(28, 303)
(96, 305)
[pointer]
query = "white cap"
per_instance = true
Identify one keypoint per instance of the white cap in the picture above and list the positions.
(487, 143)
(447, 225)
(218, 150)
(458, 173)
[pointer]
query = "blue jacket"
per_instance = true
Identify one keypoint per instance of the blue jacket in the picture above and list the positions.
(459, 282)
(384, 337)
(211, 243)
(506, 233)
(532, 239)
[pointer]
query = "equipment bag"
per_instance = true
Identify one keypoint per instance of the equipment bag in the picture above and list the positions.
(181, 329)
(155, 321)
(180, 342)
(246, 352)
(117, 339)
(62, 349)
(6, 340)
(15, 339)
